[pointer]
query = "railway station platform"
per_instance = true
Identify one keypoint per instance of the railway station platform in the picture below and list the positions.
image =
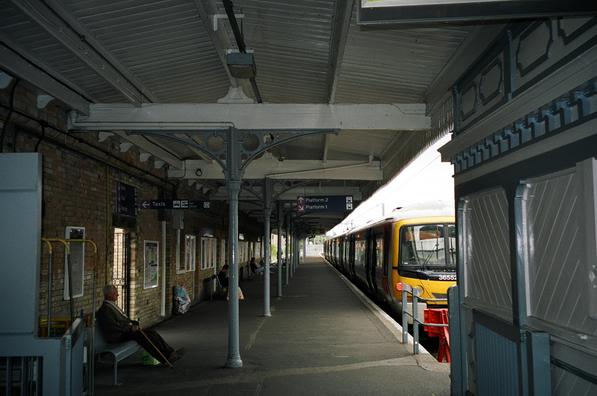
(322, 339)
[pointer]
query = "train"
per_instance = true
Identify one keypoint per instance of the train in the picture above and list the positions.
(415, 245)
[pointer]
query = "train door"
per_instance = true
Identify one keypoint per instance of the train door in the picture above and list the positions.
(387, 257)
(370, 261)
(121, 266)
(373, 259)
(343, 254)
(339, 253)
(351, 242)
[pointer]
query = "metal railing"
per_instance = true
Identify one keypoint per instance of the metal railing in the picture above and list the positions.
(415, 299)
(20, 375)
(49, 366)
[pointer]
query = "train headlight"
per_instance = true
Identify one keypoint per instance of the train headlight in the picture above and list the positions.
(418, 291)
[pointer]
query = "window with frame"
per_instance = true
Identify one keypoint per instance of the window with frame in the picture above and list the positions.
(151, 264)
(243, 255)
(223, 257)
(190, 252)
(428, 246)
(208, 252)
(360, 252)
(379, 252)
(180, 263)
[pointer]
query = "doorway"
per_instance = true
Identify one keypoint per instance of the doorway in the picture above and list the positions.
(121, 265)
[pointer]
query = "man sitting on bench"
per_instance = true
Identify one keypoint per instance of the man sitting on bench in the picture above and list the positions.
(117, 327)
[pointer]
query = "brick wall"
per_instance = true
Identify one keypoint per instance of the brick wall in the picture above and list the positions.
(79, 189)
(80, 178)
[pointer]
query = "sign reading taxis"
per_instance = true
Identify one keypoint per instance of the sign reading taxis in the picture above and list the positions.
(173, 204)
(330, 203)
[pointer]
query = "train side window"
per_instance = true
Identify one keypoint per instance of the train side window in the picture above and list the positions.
(379, 251)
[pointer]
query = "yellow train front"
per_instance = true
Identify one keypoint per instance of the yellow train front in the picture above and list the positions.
(415, 246)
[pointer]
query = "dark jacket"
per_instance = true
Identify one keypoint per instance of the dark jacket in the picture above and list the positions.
(113, 324)
(223, 278)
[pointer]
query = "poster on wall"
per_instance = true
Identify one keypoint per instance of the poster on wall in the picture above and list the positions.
(76, 264)
(151, 264)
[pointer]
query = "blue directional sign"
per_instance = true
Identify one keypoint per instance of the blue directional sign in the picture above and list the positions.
(330, 203)
(173, 204)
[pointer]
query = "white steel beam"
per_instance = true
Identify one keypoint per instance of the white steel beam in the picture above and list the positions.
(219, 39)
(183, 117)
(326, 146)
(286, 170)
(61, 25)
(153, 149)
(291, 195)
(14, 64)
(341, 25)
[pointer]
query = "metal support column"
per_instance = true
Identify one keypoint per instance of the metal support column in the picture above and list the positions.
(164, 284)
(291, 248)
(233, 176)
(297, 253)
(305, 249)
(295, 249)
(287, 244)
(279, 258)
(267, 210)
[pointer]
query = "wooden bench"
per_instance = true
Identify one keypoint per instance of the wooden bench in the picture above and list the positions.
(118, 351)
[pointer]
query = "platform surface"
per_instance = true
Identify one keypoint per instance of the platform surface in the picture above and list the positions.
(321, 339)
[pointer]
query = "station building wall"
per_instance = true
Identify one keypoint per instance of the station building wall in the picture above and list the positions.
(81, 176)
(524, 149)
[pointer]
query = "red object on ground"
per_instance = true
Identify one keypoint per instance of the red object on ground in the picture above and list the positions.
(440, 316)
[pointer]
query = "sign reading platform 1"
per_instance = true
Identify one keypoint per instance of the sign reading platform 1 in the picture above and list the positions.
(174, 204)
(335, 203)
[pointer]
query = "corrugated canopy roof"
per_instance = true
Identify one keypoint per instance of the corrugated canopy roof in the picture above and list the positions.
(306, 51)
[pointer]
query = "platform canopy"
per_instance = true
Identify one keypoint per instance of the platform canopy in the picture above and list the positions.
(154, 75)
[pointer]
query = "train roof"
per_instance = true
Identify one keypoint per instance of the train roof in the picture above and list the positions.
(410, 211)
(424, 209)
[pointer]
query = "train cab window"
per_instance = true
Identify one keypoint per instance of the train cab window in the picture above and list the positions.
(429, 245)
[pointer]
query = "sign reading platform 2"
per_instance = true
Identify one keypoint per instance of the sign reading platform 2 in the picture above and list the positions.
(334, 203)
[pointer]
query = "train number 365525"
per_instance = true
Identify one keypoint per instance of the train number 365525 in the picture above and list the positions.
(447, 277)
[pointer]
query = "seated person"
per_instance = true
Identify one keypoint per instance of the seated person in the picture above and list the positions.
(117, 327)
(253, 266)
(222, 277)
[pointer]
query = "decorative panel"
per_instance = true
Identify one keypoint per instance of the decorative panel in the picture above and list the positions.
(533, 46)
(556, 268)
(544, 45)
(522, 55)
(482, 91)
(487, 282)
(491, 83)
(557, 115)
(468, 101)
